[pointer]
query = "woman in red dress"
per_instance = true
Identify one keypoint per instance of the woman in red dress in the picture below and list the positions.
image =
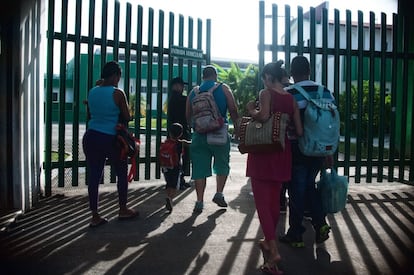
(269, 170)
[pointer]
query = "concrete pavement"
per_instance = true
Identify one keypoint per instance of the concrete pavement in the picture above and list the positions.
(373, 235)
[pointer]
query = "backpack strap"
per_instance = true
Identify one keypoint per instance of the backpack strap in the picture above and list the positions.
(302, 92)
(319, 103)
(196, 89)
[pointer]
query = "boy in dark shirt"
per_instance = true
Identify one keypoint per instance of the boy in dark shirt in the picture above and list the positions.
(176, 114)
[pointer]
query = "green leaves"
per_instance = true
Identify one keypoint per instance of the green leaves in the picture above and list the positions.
(243, 83)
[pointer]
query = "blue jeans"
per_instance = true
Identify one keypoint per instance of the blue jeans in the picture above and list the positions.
(302, 189)
(98, 147)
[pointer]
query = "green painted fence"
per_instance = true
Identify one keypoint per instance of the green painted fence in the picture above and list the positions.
(369, 67)
(112, 31)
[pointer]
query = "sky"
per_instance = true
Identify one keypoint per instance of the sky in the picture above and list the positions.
(234, 23)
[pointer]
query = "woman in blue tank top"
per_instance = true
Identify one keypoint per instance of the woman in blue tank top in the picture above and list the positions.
(107, 106)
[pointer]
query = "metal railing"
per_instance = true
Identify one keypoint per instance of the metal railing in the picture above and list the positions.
(121, 40)
(369, 68)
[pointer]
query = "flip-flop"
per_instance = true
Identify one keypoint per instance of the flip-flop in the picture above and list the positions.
(270, 269)
(102, 221)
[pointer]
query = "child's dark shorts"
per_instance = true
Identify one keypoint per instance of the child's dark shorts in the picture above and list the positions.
(172, 177)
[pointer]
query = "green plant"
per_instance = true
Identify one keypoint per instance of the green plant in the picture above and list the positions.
(364, 119)
(132, 98)
(243, 83)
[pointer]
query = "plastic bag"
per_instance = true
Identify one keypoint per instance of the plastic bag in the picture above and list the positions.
(334, 191)
(218, 137)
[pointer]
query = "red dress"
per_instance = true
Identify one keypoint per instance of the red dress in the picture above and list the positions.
(274, 166)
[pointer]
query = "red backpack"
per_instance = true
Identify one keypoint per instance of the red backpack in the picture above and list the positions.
(168, 155)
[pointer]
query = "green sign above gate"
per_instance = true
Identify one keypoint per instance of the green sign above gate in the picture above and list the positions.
(187, 53)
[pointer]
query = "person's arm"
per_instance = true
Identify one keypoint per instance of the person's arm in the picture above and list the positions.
(232, 107)
(296, 119)
(121, 101)
(261, 113)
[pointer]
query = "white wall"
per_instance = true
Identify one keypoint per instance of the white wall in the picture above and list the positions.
(27, 175)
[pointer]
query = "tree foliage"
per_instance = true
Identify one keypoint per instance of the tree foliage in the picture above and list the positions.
(243, 83)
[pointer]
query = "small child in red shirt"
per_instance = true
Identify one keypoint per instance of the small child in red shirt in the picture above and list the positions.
(171, 164)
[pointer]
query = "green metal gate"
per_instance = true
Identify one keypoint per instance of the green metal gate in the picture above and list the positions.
(82, 36)
(369, 67)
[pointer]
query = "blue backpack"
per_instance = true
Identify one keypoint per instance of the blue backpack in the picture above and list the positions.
(320, 125)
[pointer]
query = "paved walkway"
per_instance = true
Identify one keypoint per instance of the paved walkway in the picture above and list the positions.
(373, 235)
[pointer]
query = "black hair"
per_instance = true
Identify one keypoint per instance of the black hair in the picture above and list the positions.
(111, 68)
(299, 66)
(209, 71)
(275, 71)
(176, 130)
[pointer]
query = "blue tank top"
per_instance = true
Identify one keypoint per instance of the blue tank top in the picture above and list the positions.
(103, 110)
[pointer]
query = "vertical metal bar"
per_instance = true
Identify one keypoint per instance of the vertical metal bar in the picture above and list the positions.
(62, 95)
(348, 92)
(116, 31)
(261, 38)
(138, 82)
(49, 99)
(337, 61)
(324, 46)
(381, 106)
(393, 128)
(208, 42)
(287, 33)
(91, 35)
(170, 57)
(38, 123)
(76, 96)
(127, 59)
(410, 160)
(312, 46)
(404, 106)
(91, 80)
(127, 62)
(149, 94)
(104, 34)
(180, 43)
(159, 89)
(300, 45)
(199, 47)
(190, 45)
(115, 57)
(371, 95)
(361, 129)
(275, 33)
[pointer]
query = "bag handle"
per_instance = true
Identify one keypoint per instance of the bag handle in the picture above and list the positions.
(332, 174)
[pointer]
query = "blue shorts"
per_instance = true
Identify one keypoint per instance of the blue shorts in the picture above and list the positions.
(202, 154)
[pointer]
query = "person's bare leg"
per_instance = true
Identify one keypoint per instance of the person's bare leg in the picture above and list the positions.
(274, 251)
(221, 181)
(200, 187)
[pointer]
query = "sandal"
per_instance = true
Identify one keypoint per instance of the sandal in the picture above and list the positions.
(269, 268)
(101, 221)
(128, 214)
